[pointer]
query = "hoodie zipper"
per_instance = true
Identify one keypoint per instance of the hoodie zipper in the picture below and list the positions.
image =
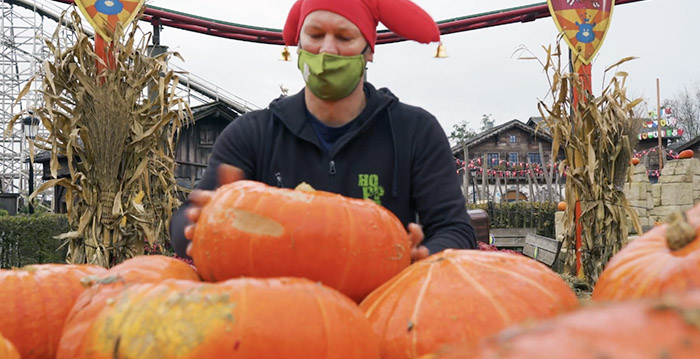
(278, 177)
(331, 172)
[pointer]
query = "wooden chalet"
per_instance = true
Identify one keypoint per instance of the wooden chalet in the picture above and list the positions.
(514, 154)
(196, 142)
(192, 150)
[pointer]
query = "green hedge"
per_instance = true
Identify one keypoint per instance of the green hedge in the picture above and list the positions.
(28, 239)
(539, 215)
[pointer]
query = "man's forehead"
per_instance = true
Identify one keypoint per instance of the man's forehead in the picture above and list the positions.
(324, 17)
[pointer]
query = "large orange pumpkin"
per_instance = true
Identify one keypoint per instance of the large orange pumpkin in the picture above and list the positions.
(34, 303)
(686, 154)
(238, 318)
(642, 329)
(251, 229)
(7, 349)
(462, 295)
(105, 287)
(665, 259)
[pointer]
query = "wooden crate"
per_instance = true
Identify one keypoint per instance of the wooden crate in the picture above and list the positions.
(510, 238)
(542, 249)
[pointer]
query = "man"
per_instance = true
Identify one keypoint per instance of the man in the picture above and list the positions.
(340, 134)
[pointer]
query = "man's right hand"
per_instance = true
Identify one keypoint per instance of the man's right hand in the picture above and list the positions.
(199, 198)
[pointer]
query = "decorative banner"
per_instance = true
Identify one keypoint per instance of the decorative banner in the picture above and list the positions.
(584, 24)
(104, 15)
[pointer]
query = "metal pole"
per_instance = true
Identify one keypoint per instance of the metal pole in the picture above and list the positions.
(658, 125)
(31, 186)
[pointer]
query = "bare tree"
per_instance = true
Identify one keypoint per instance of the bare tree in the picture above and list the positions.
(686, 108)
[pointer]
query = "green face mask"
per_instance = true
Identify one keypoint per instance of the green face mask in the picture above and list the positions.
(331, 77)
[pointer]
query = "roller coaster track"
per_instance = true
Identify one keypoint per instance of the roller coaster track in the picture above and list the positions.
(213, 27)
(188, 80)
(14, 43)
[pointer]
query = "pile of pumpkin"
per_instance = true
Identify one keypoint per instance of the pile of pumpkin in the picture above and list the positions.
(308, 274)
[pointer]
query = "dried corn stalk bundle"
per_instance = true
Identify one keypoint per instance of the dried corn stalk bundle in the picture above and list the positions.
(118, 127)
(596, 138)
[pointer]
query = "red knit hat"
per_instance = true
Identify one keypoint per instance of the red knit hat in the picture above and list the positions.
(400, 16)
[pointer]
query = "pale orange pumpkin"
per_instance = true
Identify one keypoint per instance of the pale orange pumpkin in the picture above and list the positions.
(251, 229)
(462, 295)
(106, 286)
(665, 259)
(686, 154)
(642, 329)
(34, 303)
(561, 206)
(238, 318)
(7, 349)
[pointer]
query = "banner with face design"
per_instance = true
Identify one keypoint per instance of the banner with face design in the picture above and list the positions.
(104, 15)
(584, 24)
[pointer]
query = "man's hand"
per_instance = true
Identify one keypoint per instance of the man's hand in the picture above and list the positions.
(199, 198)
(415, 235)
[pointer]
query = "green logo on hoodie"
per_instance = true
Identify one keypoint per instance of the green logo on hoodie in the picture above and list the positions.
(371, 188)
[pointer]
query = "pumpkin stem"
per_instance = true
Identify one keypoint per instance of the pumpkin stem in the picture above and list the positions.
(679, 232)
(305, 187)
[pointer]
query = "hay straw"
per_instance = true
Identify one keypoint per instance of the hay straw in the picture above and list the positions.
(600, 132)
(121, 190)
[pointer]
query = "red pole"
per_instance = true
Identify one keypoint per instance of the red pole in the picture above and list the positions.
(104, 52)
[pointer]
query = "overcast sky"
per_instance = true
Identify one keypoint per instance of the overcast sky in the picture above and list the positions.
(481, 75)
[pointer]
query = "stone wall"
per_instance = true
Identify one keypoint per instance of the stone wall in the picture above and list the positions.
(678, 188)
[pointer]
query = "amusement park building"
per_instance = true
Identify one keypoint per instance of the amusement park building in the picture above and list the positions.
(191, 153)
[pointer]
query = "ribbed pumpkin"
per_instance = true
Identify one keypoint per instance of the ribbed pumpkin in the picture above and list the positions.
(665, 259)
(105, 287)
(34, 303)
(251, 229)
(461, 295)
(238, 318)
(642, 329)
(7, 349)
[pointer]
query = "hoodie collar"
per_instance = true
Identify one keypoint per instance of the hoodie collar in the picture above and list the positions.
(291, 111)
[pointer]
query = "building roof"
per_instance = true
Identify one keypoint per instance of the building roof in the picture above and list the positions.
(687, 145)
(483, 136)
(538, 121)
(214, 109)
(43, 156)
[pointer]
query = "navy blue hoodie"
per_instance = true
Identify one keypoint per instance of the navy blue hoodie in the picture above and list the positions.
(394, 154)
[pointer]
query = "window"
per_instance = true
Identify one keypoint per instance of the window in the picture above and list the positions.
(513, 139)
(207, 136)
(513, 157)
(493, 159)
(534, 157)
